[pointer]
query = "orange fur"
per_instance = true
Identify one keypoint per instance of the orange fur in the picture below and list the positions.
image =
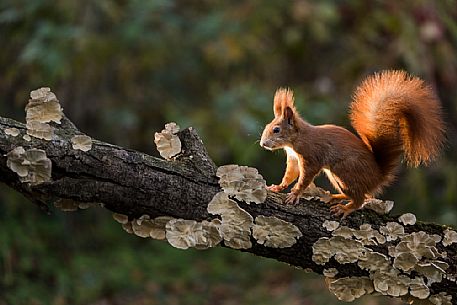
(392, 113)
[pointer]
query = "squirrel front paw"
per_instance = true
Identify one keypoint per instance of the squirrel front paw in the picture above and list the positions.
(292, 198)
(276, 188)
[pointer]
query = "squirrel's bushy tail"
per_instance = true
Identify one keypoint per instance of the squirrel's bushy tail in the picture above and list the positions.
(393, 113)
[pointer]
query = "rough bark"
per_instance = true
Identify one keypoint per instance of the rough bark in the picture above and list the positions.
(133, 183)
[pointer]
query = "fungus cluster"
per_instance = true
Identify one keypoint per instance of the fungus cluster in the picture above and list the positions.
(144, 226)
(274, 232)
(184, 234)
(32, 166)
(344, 250)
(180, 233)
(42, 109)
(412, 265)
(167, 142)
(243, 182)
(236, 223)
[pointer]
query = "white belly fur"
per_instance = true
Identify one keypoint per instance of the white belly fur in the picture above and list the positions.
(291, 152)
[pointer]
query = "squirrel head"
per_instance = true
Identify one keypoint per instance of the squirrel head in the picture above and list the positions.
(282, 129)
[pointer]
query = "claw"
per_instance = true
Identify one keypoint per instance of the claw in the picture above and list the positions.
(292, 198)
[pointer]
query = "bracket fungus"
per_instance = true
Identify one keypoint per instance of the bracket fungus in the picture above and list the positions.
(369, 236)
(243, 182)
(32, 166)
(344, 250)
(322, 252)
(274, 232)
(127, 227)
(312, 192)
(212, 235)
(146, 227)
(14, 132)
(379, 206)
(158, 227)
(405, 261)
(350, 288)
(434, 271)
(420, 244)
(407, 219)
(391, 283)
(392, 231)
(81, 142)
(180, 233)
(184, 234)
(417, 252)
(343, 231)
(331, 225)
(450, 237)
(236, 223)
(347, 250)
(120, 218)
(374, 261)
(418, 288)
(42, 108)
(167, 142)
(142, 228)
(441, 299)
(40, 130)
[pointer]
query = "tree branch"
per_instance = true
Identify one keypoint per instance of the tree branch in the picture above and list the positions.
(134, 184)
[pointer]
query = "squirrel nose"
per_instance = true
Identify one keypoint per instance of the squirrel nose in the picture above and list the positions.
(262, 143)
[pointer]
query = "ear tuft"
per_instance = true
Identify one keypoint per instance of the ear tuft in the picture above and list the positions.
(284, 97)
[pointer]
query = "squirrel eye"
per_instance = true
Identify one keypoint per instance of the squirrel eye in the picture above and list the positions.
(276, 129)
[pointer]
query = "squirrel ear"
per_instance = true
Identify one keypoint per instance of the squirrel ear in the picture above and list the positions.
(289, 115)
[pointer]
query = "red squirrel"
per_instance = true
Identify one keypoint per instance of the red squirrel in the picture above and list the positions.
(392, 112)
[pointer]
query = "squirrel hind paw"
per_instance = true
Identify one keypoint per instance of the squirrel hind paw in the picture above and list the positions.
(343, 210)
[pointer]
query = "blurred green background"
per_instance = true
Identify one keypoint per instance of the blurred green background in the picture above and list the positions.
(122, 69)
